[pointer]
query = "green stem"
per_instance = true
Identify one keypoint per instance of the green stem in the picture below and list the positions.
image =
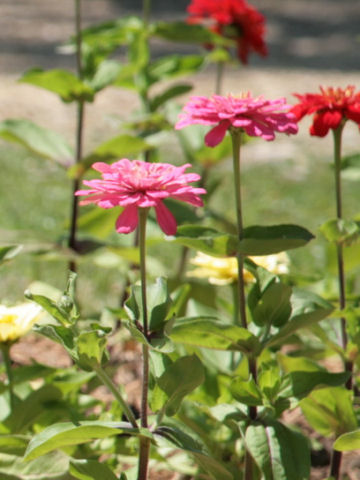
(79, 135)
(144, 447)
(106, 380)
(220, 67)
(236, 144)
(235, 297)
(5, 350)
(337, 134)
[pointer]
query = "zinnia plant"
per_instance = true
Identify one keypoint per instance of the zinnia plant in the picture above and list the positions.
(234, 19)
(138, 185)
(331, 110)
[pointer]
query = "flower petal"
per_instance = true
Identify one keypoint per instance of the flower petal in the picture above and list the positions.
(165, 219)
(128, 220)
(216, 134)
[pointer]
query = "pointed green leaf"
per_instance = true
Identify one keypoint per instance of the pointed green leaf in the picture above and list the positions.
(50, 306)
(307, 309)
(183, 441)
(207, 240)
(174, 65)
(90, 470)
(259, 240)
(8, 252)
(54, 465)
(348, 441)
(210, 333)
(63, 83)
(13, 444)
(184, 32)
(246, 392)
(64, 434)
(40, 140)
(330, 411)
(168, 94)
(300, 383)
(91, 348)
(179, 379)
(274, 306)
(340, 231)
(279, 452)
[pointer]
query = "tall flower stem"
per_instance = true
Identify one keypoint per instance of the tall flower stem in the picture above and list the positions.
(5, 350)
(79, 134)
(336, 455)
(236, 145)
(144, 442)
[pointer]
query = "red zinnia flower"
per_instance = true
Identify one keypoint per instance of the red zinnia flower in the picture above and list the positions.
(136, 184)
(331, 107)
(233, 19)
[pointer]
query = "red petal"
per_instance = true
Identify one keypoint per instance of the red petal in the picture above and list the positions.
(165, 219)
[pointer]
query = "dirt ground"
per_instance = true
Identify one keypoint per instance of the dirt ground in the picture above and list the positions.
(311, 43)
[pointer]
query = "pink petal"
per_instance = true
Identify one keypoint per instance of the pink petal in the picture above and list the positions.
(128, 220)
(165, 219)
(216, 134)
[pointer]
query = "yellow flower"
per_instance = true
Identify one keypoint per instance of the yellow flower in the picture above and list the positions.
(224, 270)
(18, 320)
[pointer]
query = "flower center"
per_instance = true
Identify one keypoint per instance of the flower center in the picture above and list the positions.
(8, 318)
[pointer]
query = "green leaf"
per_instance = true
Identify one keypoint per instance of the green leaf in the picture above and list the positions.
(210, 333)
(279, 452)
(54, 465)
(13, 444)
(49, 306)
(64, 434)
(184, 442)
(43, 142)
(8, 252)
(246, 392)
(158, 304)
(105, 75)
(117, 147)
(174, 65)
(26, 412)
(168, 94)
(91, 348)
(184, 32)
(260, 240)
(179, 379)
(330, 411)
(207, 240)
(274, 306)
(61, 82)
(348, 441)
(90, 470)
(300, 383)
(340, 231)
(307, 308)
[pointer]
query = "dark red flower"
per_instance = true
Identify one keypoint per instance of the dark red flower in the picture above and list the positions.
(332, 107)
(233, 19)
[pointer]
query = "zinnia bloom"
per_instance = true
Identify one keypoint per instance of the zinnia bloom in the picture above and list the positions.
(137, 184)
(255, 116)
(224, 270)
(331, 108)
(18, 320)
(234, 19)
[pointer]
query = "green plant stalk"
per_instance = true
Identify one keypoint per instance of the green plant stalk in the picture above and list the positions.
(106, 380)
(235, 298)
(144, 446)
(236, 145)
(336, 457)
(5, 350)
(79, 135)
(146, 12)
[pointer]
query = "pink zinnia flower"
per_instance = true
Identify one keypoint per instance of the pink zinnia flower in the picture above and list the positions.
(255, 116)
(137, 184)
(330, 108)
